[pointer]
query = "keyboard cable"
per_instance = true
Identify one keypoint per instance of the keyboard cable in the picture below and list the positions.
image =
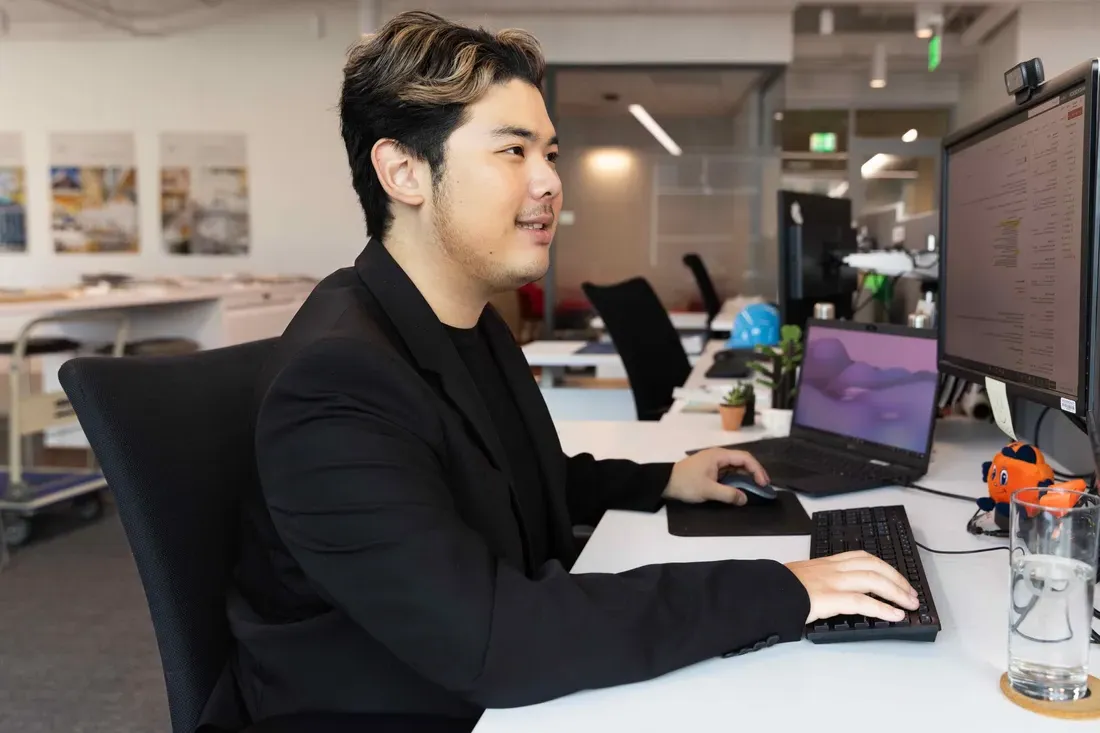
(937, 492)
(1094, 636)
(961, 552)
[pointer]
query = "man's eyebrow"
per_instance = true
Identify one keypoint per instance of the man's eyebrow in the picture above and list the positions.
(520, 132)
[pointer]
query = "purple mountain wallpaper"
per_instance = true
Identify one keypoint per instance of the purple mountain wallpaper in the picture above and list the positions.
(870, 386)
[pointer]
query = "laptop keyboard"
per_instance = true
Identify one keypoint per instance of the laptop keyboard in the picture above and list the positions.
(812, 459)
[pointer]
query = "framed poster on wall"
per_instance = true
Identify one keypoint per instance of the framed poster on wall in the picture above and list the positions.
(94, 197)
(13, 194)
(204, 194)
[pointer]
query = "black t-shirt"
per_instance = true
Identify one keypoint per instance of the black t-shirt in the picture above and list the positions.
(514, 437)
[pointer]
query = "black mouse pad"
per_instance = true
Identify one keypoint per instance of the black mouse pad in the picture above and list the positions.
(782, 516)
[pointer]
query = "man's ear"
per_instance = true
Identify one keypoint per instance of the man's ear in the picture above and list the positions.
(399, 172)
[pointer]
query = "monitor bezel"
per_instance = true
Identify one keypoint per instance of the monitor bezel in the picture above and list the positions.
(872, 450)
(1089, 74)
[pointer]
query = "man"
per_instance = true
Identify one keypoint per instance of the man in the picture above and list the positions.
(406, 554)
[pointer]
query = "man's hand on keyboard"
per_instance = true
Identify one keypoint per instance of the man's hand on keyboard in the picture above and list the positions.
(840, 584)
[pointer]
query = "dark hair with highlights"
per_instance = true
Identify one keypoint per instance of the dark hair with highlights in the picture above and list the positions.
(412, 82)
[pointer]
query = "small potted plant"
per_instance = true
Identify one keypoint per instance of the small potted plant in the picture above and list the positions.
(780, 368)
(734, 405)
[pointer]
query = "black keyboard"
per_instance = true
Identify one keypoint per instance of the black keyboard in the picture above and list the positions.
(882, 531)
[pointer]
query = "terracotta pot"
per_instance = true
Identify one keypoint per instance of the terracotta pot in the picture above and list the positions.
(732, 416)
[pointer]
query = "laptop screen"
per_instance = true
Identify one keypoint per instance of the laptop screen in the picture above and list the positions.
(876, 387)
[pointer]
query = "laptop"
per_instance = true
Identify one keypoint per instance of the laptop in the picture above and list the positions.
(864, 411)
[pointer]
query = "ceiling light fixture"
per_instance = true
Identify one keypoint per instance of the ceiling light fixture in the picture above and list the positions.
(610, 160)
(878, 66)
(928, 20)
(909, 136)
(874, 165)
(654, 129)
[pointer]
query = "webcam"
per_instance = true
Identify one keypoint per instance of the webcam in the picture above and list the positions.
(1024, 79)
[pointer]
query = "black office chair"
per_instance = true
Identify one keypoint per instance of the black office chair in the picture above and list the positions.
(174, 437)
(712, 304)
(646, 341)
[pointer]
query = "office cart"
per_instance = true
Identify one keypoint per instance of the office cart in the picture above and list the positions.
(26, 490)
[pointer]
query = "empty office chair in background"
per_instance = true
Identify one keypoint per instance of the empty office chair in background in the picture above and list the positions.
(173, 435)
(646, 340)
(712, 304)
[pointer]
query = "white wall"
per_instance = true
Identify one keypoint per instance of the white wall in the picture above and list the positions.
(639, 37)
(984, 87)
(274, 80)
(1062, 34)
(816, 86)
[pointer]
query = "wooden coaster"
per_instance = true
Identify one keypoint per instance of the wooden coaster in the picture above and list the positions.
(1085, 709)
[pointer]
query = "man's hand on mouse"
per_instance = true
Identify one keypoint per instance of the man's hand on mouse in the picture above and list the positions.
(839, 584)
(695, 478)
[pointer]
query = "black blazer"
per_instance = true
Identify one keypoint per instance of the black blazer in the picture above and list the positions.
(382, 564)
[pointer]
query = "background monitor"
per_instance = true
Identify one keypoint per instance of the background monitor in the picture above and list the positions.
(1018, 244)
(815, 233)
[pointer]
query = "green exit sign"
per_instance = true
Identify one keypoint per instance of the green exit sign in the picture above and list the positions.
(823, 142)
(935, 52)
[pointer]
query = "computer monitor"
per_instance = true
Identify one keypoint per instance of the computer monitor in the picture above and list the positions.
(815, 233)
(1018, 247)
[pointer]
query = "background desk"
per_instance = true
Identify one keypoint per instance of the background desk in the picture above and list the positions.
(554, 357)
(896, 687)
(211, 314)
(696, 320)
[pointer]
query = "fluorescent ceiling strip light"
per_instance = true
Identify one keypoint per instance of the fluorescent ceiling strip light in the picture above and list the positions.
(654, 129)
(872, 167)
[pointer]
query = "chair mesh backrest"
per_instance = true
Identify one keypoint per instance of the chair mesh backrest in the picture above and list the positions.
(174, 437)
(711, 302)
(646, 340)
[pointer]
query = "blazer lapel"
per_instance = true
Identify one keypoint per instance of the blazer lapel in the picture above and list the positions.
(428, 342)
(537, 417)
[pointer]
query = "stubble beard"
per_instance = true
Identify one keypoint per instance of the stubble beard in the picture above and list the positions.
(486, 273)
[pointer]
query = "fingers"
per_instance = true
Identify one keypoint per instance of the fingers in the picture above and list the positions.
(856, 603)
(869, 581)
(728, 494)
(860, 560)
(741, 459)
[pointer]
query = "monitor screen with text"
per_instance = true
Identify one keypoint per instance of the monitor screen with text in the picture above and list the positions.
(1014, 247)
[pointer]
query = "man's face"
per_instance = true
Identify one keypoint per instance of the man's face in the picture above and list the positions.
(496, 209)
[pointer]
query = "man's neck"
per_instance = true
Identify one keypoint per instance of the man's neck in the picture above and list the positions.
(454, 300)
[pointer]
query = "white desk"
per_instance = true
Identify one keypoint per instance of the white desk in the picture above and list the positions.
(554, 357)
(677, 415)
(697, 321)
(898, 687)
(212, 314)
(681, 321)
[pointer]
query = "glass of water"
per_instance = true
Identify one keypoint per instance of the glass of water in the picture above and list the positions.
(1055, 537)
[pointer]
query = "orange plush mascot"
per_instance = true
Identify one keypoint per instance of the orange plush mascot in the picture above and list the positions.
(1020, 465)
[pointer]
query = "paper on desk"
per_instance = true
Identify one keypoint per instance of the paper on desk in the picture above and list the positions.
(707, 394)
(998, 401)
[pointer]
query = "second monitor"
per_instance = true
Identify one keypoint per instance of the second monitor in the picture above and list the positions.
(1018, 248)
(815, 233)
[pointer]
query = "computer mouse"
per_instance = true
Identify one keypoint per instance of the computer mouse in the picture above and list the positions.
(748, 485)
